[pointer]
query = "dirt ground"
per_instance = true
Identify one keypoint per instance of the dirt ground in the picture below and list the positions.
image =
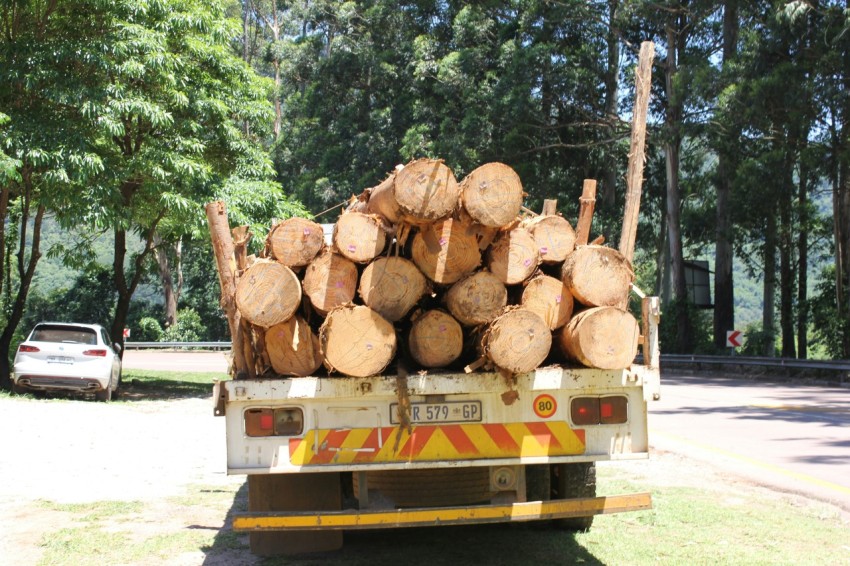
(161, 452)
(80, 451)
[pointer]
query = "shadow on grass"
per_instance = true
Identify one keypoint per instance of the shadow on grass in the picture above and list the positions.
(494, 545)
(155, 389)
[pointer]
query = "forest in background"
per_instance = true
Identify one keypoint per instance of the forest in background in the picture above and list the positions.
(120, 120)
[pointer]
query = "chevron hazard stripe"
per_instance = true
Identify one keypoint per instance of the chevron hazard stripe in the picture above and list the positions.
(436, 442)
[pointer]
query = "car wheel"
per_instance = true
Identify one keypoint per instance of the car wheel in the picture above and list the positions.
(117, 393)
(104, 395)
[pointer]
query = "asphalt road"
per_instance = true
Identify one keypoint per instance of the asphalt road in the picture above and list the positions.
(794, 438)
(175, 360)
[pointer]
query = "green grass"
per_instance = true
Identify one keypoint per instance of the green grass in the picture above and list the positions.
(95, 511)
(716, 526)
(709, 524)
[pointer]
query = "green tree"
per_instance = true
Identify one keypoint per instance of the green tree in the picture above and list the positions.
(171, 97)
(48, 54)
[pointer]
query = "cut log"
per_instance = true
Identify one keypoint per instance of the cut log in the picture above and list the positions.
(435, 339)
(513, 257)
(492, 194)
(554, 236)
(359, 237)
(295, 241)
(293, 348)
(446, 251)
(477, 299)
(357, 341)
(382, 200)
(391, 286)
(225, 256)
(330, 281)
(549, 298)
(268, 293)
(426, 190)
(601, 337)
(597, 276)
(517, 341)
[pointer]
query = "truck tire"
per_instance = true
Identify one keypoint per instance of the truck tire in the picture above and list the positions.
(538, 482)
(570, 481)
(294, 492)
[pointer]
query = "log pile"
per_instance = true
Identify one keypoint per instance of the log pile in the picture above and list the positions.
(429, 272)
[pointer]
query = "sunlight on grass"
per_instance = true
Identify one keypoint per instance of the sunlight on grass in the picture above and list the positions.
(715, 524)
(96, 510)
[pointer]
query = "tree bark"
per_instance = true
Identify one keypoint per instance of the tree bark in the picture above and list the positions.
(786, 245)
(674, 201)
(637, 152)
(123, 286)
(769, 314)
(803, 262)
(724, 289)
(167, 281)
(612, 116)
(26, 271)
(4, 208)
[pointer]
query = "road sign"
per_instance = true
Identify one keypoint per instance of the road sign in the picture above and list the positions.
(126, 333)
(734, 338)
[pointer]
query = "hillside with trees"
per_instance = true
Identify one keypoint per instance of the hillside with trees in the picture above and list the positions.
(120, 120)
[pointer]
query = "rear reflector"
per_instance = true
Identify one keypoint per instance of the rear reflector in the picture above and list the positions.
(613, 409)
(98, 353)
(25, 348)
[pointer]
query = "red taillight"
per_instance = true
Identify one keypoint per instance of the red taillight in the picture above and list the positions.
(98, 353)
(585, 410)
(259, 422)
(285, 421)
(613, 409)
(25, 348)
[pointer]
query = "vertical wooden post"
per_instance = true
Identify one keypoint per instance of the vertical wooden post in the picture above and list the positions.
(585, 215)
(550, 207)
(225, 256)
(637, 155)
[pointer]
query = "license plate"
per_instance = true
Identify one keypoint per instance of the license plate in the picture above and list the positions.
(446, 412)
(59, 360)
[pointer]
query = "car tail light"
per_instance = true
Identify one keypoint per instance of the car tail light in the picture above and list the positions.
(26, 348)
(613, 409)
(98, 353)
(287, 421)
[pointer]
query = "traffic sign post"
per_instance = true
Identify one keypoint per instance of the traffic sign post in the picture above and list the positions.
(734, 338)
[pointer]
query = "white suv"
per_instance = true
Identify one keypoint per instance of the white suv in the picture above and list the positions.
(59, 356)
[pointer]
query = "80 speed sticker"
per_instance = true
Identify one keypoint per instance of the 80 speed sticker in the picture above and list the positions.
(545, 406)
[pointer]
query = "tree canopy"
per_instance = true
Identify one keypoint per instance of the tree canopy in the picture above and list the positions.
(125, 117)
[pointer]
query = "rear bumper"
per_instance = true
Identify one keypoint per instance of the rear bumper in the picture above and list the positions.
(60, 383)
(427, 517)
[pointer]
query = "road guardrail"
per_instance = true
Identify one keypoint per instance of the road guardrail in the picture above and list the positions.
(176, 345)
(837, 366)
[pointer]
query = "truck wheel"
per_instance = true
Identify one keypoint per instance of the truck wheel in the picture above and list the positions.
(538, 483)
(571, 481)
(294, 492)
